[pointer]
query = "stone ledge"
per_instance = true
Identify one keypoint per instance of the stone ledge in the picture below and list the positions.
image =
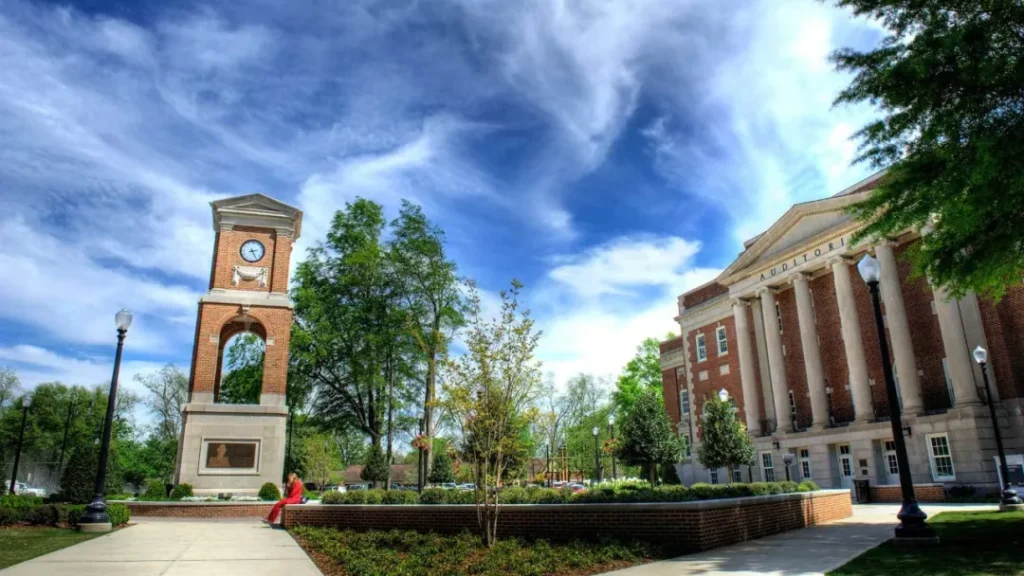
(251, 409)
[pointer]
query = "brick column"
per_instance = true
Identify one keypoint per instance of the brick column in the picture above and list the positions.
(751, 403)
(812, 353)
(899, 330)
(954, 341)
(776, 359)
(853, 343)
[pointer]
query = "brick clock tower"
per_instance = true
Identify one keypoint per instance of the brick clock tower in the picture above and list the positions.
(235, 448)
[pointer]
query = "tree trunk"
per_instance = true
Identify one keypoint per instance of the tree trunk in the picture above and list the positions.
(391, 420)
(428, 414)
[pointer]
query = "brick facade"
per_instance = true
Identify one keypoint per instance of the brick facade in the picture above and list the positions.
(894, 494)
(686, 526)
(199, 509)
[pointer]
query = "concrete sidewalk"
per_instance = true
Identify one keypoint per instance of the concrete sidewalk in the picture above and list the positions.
(807, 552)
(159, 547)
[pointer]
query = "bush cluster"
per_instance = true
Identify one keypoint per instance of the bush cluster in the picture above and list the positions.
(269, 491)
(31, 510)
(181, 490)
(155, 490)
(613, 492)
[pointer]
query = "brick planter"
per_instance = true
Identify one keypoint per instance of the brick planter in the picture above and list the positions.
(685, 526)
(894, 494)
(200, 509)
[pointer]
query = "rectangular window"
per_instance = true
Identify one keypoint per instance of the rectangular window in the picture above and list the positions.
(723, 342)
(778, 316)
(792, 404)
(684, 396)
(940, 458)
(847, 462)
(949, 383)
(737, 474)
(805, 463)
(713, 475)
(766, 467)
(702, 349)
(891, 462)
(686, 444)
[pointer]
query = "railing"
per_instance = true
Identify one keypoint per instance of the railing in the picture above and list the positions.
(768, 427)
(800, 423)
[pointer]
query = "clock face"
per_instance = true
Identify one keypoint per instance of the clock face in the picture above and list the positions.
(252, 251)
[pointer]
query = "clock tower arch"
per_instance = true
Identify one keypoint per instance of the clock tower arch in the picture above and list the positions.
(237, 447)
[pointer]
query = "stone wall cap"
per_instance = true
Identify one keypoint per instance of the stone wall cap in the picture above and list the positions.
(220, 408)
(180, 503)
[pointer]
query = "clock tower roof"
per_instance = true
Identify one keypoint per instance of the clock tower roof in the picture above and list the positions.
(257, 210)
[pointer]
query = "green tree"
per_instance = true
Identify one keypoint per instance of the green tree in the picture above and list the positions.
(376, 468)
(434, 301)
(645, 437)
(489, 391)
(10, 385)
(78, 482)
(242, 382)
(319, 458)
(167, 392)
(949, 80)
(725, 442)
(443, 470)
(641, 373)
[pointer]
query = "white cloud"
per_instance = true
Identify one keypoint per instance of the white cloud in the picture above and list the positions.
(36, 365)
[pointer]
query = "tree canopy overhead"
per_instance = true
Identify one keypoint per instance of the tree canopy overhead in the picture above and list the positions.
(641, 373)
(949, 79)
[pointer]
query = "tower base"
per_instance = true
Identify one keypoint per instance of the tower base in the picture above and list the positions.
(231, 448)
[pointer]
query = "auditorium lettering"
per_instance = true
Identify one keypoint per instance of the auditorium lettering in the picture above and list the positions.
(805, 257)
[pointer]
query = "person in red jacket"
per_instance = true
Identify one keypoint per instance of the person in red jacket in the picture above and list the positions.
(293, 495)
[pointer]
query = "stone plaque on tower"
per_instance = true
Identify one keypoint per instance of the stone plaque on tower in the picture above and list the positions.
(235, 448)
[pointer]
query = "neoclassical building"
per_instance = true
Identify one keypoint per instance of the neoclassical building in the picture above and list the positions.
(788, 330)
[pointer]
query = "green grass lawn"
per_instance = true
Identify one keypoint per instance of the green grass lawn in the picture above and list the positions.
(348, 553)
(971, 544)
(21, 543)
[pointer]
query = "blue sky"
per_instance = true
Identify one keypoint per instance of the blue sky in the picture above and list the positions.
(609, 154)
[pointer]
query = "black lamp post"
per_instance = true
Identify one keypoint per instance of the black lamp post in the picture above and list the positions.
(787, 461)
(611, 434)
(1009, 500)
(547, 470)
(21, 439)
(597, 454)
(95, 518)
(912, 526)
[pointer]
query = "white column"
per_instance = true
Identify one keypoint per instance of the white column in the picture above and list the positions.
(751, 403)
(899, 330)
(776, 359)
(954, 341)
(974, 329)
(762, 359)
(812, 353)
(856, 361)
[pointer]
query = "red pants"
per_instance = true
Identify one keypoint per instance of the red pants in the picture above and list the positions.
(277, 508)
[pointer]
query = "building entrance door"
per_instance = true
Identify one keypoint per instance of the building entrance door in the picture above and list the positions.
(845, 466)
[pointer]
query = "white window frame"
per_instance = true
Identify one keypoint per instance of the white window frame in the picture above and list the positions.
(892, 463)
(778, 316)
(932, 457)
(767, 467)
(805, 463)
(686, 444)
(684, 401)
(713, 476)
(722, 338)
(702, 347)
(737, 473)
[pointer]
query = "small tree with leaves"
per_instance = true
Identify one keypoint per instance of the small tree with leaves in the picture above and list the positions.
(488, 391)
(319, 458)
(443, 470)
(725, 440)
(376, 467)
(646, 438)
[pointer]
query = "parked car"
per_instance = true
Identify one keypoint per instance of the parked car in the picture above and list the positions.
(335, 488)
(355, 487)
(26, 490)
(577, 487)
(449, 486)
(467, 486)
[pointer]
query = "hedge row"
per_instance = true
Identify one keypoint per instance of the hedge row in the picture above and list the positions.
(611, 493)
(29, 510)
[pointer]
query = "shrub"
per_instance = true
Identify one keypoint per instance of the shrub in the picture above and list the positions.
(401, 497)
(331, 498)
(962, 491)
(789, 487)
(119, 514)
(375, 496)
(20, 502)
(514, 495)
(433, 496)
(78, 482)
(155, 490)
(9, 516)
(552, 496)
(73, 512)
(357, 497)
(808, 486)
(702, 491)
(269, 491)
(44, 515)
(459, 497)
(181, 490)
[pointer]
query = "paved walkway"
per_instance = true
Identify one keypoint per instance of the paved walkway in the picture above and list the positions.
(807, 552)
(178, 547)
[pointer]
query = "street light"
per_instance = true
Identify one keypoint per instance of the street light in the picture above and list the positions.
(21, 439)
(597, 454)
(787, 460)
(912, 526)
(611, 435)
(95, 518)
(1010, 500)
(723, 395)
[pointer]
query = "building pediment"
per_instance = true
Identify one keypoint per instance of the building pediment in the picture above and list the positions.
(256, 210)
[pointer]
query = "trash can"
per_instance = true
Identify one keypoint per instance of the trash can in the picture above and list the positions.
(862, 491)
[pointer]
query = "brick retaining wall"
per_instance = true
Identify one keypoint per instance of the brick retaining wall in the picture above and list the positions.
(923, 493)
(200, 509)
(686, 526)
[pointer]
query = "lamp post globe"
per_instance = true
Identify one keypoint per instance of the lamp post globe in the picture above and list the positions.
(723, 395)
(95, 518)
(611, 438)
(1009, 500)
(912, 526)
